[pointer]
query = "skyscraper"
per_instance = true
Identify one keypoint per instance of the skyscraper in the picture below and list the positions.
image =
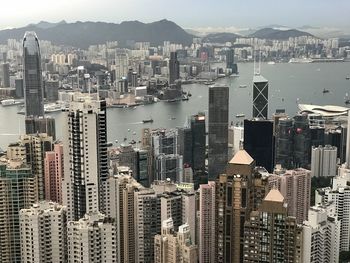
(259, 142)
(17, 191)
(174, 68)
(54, 174)
(43, 229)
(323, 161)
(295, 186)
(207, 226)
(238, 192)
(5, 75)
(218, 130)
(172, 247)
(33, 87)
(92, 239)
(270, 235)
(321, 235)
(230, 61)
(85, 162)
(260, 97)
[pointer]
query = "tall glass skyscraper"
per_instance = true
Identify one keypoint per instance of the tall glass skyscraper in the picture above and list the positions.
(218, 130)
(33, 88)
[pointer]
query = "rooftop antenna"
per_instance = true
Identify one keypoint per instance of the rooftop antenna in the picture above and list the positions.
(259, 62)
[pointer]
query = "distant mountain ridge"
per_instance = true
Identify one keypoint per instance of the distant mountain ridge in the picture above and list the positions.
(84, 34)
(220, 37)
(271, 33)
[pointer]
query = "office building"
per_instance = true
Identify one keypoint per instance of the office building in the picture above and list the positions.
(295, 186)
(321, 235)
(207, 224)
(54, 173)
(17, 191)
(301, 142)
(51, 90)
(260, 97)
(33, 89)
(121, 64)
(238, 192)
(230, 61)
(236, 138)
(218, 130)
(85, 162)
(164, 142)
(285, 143)
(323, 161)
(144, 167)
(19, 88)
(128, 157)
(174, 68)
(92, 239)
(259, 142)
(174, 247)
(168, 166)
(270, 234)
(40, 124)
(5, 75)
(43, 229)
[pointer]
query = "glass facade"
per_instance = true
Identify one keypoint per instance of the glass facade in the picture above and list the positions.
(32, 76)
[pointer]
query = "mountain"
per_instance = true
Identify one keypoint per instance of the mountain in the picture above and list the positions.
(220, 37)
(270, 33)
(45, 24)
(84, 34)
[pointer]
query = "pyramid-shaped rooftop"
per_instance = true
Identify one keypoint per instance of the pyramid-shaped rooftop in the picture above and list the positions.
(242, 157)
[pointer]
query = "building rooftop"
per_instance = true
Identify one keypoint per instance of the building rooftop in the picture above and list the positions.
(242, 157)
(274, 195)
(259, 78)
(325, 111)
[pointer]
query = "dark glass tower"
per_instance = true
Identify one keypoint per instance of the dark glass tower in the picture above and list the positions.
(230, 60)
(218, 130)
(174, 68)
(33, 89)
(260, 97)
(284, 143)
(259, 142)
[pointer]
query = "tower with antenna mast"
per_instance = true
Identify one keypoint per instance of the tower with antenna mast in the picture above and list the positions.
(260, 91)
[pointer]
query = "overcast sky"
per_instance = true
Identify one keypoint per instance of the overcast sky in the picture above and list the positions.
(186, 13)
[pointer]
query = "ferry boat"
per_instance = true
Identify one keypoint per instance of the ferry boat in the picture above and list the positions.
(300, 60)
(11, 102)
(240, 115)
(147, 120)
(271, 63)
(242, 86)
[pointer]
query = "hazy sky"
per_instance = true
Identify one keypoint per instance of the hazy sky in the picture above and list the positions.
(187, 13)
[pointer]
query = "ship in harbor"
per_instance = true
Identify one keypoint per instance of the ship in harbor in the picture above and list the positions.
(315, 60)
(11, 102)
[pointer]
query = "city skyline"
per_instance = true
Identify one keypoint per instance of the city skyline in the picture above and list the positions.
(232, 14)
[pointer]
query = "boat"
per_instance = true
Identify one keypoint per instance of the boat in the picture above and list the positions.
(174, 100)
(242, 86)
(300, 60)
(109, 144)
(116, 141)
(189, 94)
(48, 108)
(347, 77)
(133, 142)
(271, 63)
(173, 118)
(240, 115)
(209, 83)
(133, 133)
(147, 120)
(325, 91)
(11, 102)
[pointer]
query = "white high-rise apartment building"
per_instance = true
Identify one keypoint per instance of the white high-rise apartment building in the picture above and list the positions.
(207, 223)
(92, 239)
(121, 64)
(43, 230)
(324, 161)
(85, 157)
(321, 235)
